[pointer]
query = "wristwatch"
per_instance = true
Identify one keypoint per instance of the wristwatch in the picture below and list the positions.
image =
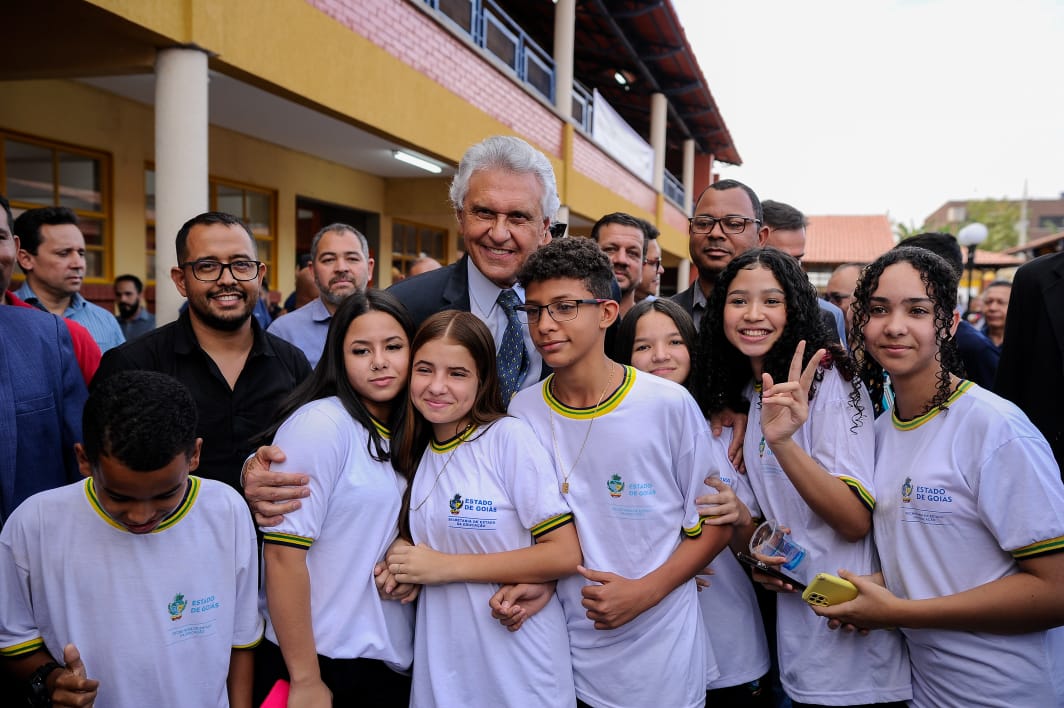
(38, 694)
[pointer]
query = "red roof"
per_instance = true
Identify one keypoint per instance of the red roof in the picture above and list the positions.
(833, 240)
(1035, 244)
(993, 259)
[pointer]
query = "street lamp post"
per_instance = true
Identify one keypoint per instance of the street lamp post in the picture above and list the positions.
(971, 236)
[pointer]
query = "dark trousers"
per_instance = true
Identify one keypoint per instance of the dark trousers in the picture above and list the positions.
(353, 682)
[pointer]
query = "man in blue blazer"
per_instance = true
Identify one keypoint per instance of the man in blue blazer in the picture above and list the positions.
(42, 394)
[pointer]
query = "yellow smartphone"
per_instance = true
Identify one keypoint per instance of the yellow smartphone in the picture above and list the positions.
(828, 590)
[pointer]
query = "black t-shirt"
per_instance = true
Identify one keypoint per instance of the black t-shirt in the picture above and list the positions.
(228, 418)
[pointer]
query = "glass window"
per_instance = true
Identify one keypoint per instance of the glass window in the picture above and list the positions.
(410, 241)
(79, 182)
(29, 174)
(255, 206)
(38, 173)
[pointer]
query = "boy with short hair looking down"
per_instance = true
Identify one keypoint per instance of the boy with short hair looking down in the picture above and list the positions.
(142, 578)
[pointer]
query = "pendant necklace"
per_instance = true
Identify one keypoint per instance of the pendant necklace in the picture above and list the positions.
(462, 437)
(554, 437)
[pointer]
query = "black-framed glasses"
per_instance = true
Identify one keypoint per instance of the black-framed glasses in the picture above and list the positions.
(654, 263)
(559, 311)
(210, 270)
(730, 224)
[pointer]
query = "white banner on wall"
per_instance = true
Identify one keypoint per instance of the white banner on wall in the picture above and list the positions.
(620, 140)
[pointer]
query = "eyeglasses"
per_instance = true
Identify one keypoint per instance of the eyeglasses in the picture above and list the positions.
(560, 311)
(209, 271)
(836, 298)
(730, 224)
(654, 263)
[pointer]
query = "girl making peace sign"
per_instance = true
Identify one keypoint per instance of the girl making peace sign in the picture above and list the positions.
(809, 450)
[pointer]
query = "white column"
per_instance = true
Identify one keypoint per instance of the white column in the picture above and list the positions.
(180, 161)
(564, 39)
(683, 275)
(562, 217)
(658, 121)
(688, 176)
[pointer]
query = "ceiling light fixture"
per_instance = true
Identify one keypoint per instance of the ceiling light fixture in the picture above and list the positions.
(416, 161)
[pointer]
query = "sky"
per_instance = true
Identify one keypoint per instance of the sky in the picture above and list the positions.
(886, 106)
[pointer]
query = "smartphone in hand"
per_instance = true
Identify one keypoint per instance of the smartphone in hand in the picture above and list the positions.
(762, 567)
(826, 590)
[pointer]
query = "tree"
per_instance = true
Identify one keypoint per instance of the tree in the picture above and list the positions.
(1000, 217)
(904, 231)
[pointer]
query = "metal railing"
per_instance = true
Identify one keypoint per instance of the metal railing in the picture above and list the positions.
(674, 189)
(494, 31)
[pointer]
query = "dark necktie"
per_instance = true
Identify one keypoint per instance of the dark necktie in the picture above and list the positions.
(513, 360)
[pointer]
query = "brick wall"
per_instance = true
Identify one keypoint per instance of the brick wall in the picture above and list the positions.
(591, 162)
(422, 43)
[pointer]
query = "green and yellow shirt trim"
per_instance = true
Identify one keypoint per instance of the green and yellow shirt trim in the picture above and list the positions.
(382, 429)
(191, 492)
(287, 539)
(551, 524)
(22, 648)
(1039, 548)
(448, 445)
(253, 644)
(860, 492)
(962, 388)
(603, 408)
(696, 530)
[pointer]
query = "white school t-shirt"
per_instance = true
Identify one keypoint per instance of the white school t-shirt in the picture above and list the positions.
(155, 616)
(633, 494)
(818, 665)
(346, 526)
(729, 606)
(493, 489)
(964, 494)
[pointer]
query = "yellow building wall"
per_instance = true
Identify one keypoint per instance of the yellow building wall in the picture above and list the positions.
(70, 112)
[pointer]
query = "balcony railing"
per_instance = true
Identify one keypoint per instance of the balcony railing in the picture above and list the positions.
(583, 106)
(674, 189)
(493, 30)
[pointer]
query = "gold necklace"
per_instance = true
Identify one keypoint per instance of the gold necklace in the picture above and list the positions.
(554, 437)
(462, 437)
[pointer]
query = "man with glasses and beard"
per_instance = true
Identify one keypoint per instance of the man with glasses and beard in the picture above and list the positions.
(237, 373)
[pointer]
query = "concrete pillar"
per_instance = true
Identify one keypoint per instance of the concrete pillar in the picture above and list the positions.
(562, 217)
(658, 121)
(564, 39)
(688, 176)
(683, 275)
(181, 179)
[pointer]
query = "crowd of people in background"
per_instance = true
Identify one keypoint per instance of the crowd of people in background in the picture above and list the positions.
(524, 478)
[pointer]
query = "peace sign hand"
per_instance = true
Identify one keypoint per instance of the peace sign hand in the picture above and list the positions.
(785, 405)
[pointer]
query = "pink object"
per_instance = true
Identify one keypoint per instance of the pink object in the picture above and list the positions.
(278, 696)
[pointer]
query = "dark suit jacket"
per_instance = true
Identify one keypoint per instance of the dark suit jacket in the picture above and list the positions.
(42, 394)
(1031, 370)
(686, 299)
(445, 288)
